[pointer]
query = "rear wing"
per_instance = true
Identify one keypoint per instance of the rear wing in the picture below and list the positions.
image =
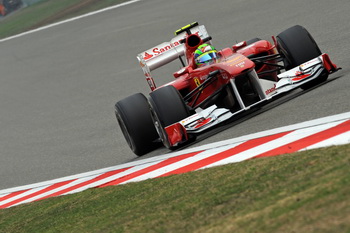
(167, 52)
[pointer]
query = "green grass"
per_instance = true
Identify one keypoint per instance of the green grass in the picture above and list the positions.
(303, 192)
(47, 12)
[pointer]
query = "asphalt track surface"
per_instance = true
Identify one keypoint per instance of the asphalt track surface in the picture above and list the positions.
(58, 86)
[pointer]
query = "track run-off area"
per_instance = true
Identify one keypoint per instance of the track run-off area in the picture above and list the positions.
(59, 85)
(329, 131)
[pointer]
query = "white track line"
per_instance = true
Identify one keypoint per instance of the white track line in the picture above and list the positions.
(160, 158)
(69, 20)
(340, 139)
(291, 137)
(236, 151)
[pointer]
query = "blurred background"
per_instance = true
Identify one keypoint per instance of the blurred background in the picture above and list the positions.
(8, 6)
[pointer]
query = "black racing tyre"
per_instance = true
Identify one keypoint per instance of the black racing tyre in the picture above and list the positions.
(167, 108)
(251, 41)
(135, 121)
(297, 46)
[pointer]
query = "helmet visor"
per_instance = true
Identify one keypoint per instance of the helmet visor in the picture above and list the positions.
(207, 57)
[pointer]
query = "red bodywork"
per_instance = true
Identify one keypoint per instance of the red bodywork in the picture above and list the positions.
(232, 63)
(243, 77)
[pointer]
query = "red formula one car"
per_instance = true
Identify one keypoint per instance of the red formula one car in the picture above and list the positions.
(215, 85)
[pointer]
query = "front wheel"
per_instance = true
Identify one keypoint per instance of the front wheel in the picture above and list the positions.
(135, 121)
(297, 46)
(167, 108)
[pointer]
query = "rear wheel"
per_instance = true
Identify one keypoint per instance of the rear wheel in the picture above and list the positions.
(167, 108)
(297, 46)
(135, 121)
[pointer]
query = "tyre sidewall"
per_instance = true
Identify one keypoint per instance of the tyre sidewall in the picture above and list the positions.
(297, 45)
(167, 108)
(135, 121)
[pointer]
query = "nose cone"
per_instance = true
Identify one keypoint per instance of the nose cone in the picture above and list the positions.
(236, 64)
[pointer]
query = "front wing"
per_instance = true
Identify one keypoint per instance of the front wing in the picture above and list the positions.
(205, 119)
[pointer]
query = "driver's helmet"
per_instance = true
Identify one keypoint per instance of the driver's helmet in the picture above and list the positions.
(205, 54)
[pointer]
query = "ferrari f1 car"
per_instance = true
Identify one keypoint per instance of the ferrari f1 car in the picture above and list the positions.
(242, 77)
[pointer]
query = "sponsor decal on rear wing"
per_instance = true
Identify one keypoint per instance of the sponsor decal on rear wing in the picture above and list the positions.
(165, 53)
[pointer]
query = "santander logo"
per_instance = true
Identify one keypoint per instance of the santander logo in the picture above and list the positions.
(271, 90)
(147, 56)
(158, 50)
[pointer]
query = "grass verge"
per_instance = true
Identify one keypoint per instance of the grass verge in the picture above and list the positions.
(47, 12)
(303, 192)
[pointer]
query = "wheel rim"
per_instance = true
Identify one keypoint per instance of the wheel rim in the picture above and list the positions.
(159, 128)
